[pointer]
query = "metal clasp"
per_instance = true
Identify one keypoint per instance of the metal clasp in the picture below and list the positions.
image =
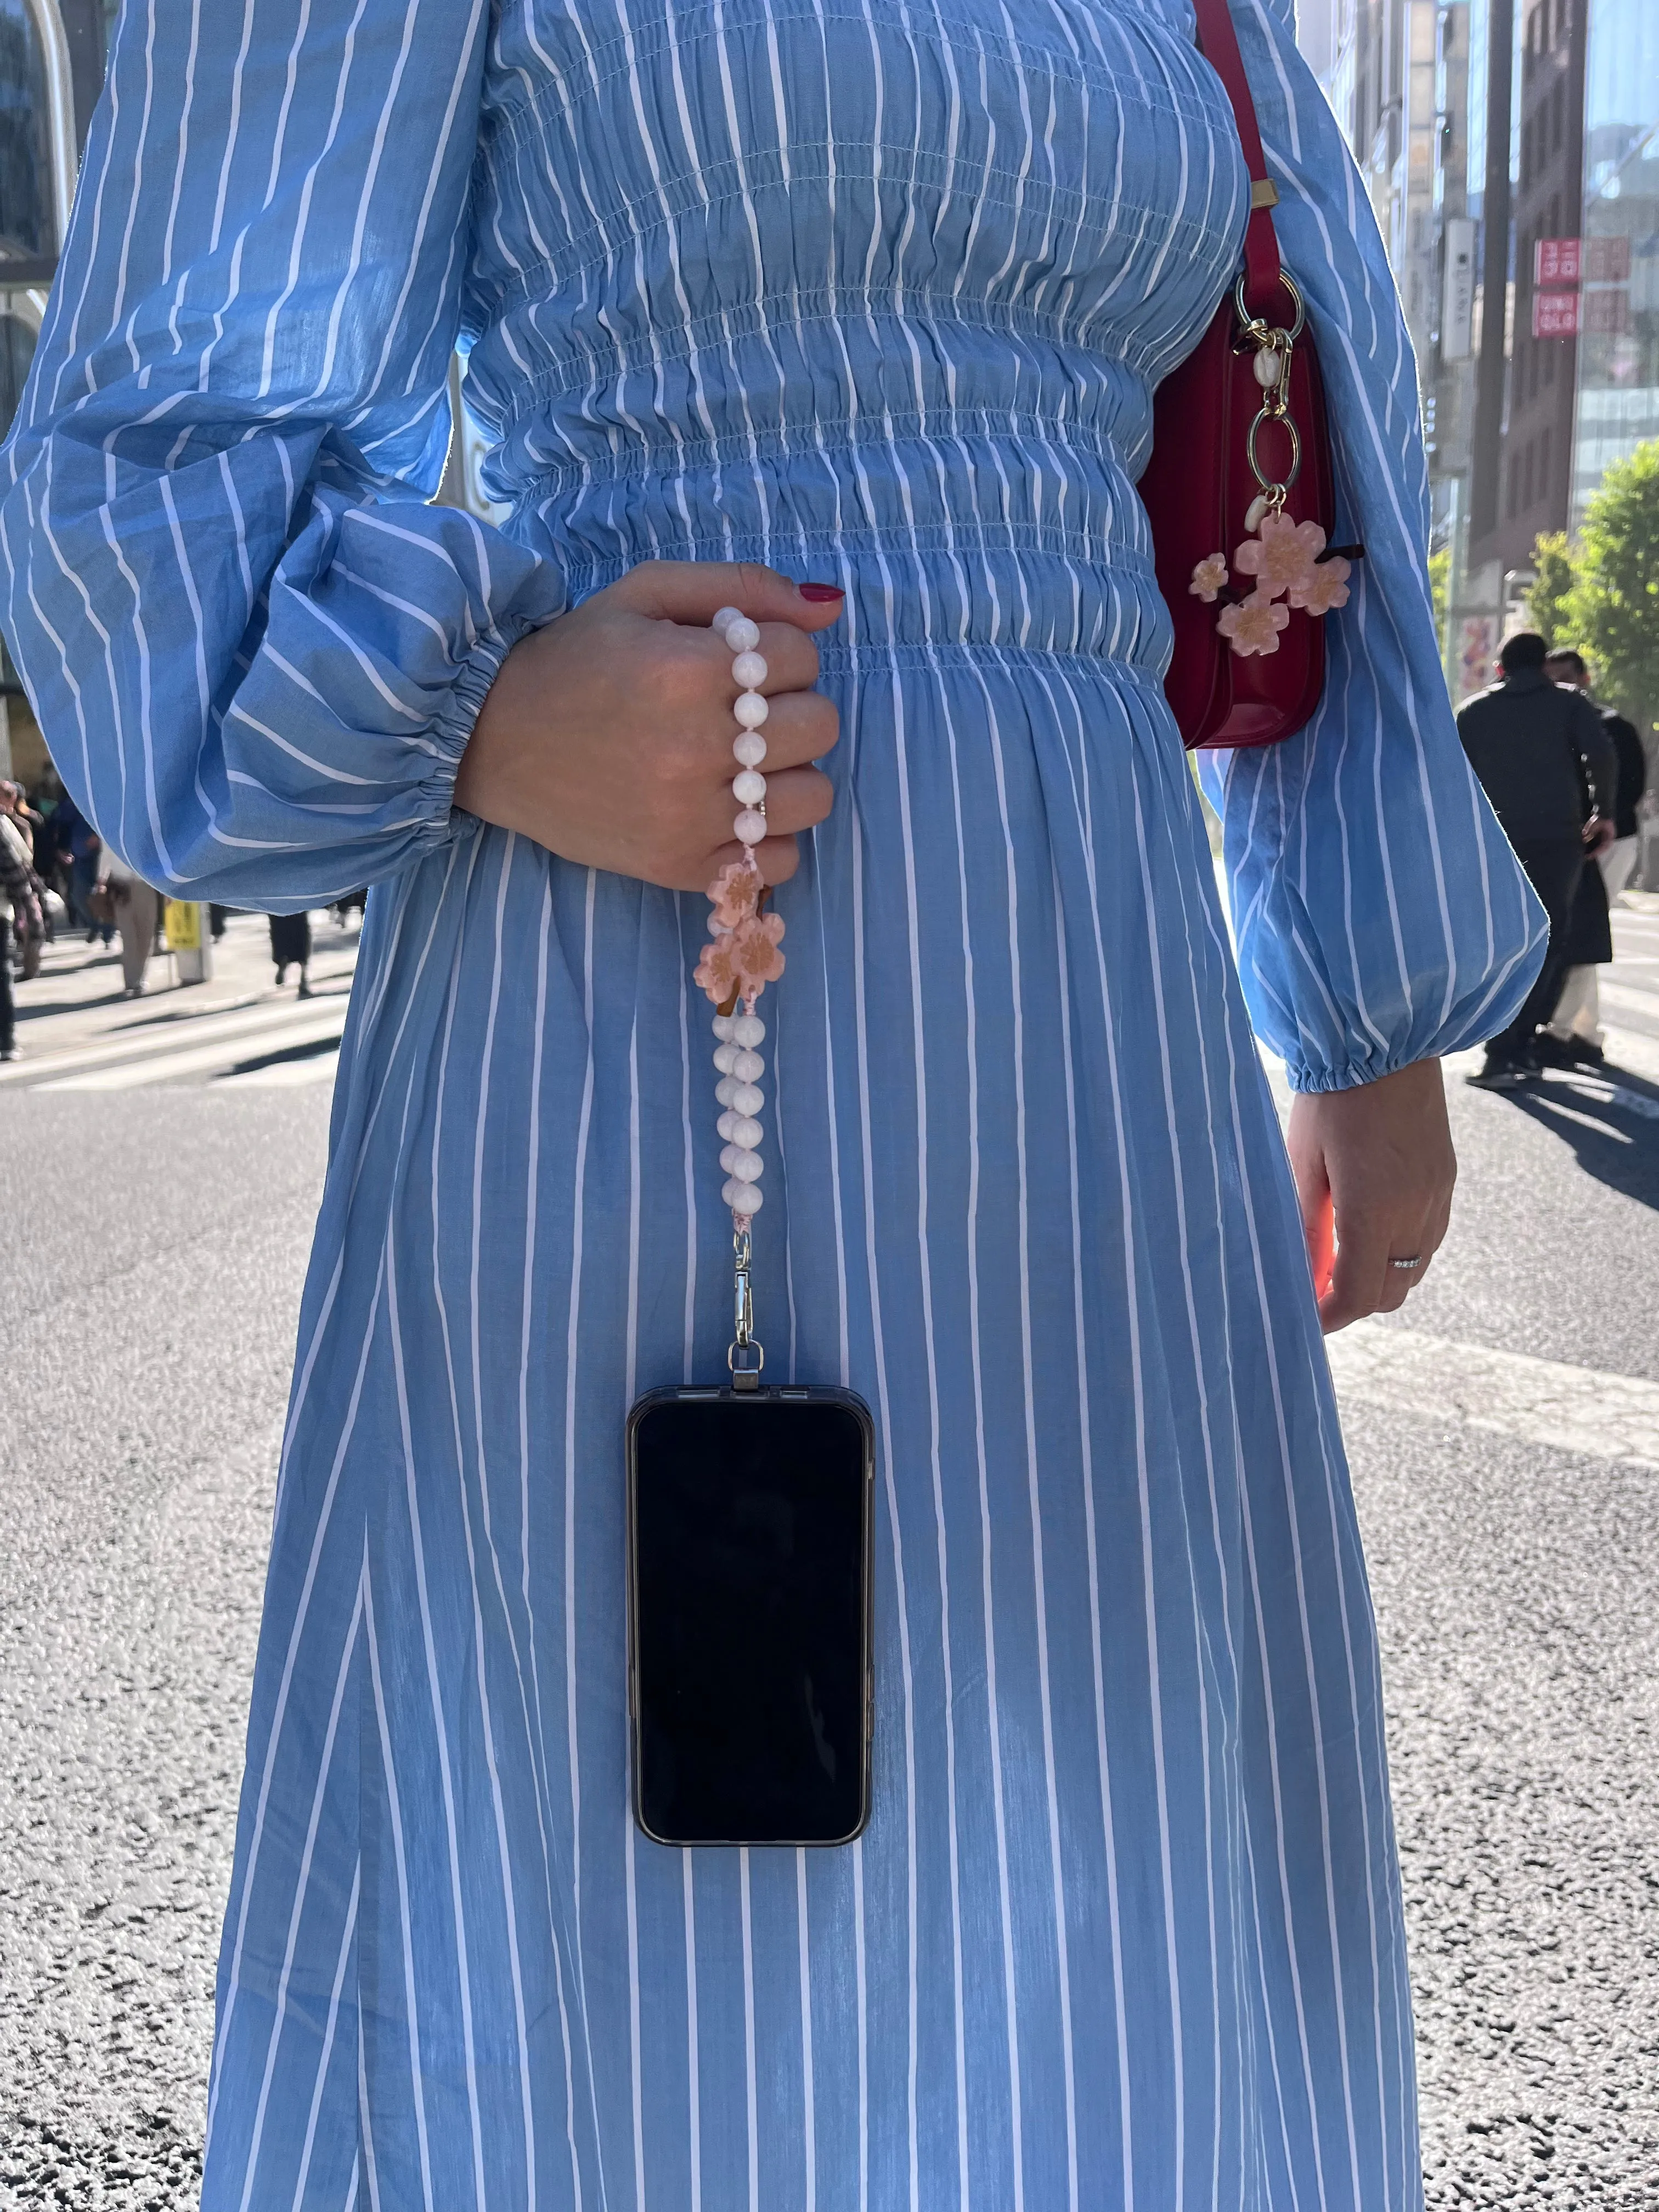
(745, 1357)
(1275, 347)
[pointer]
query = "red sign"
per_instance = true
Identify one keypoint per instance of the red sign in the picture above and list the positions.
(1557, 314)
(1558, 261)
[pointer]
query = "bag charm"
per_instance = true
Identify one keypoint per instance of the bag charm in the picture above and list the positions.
(1286, 558)
(1242, 458)
(740, 959)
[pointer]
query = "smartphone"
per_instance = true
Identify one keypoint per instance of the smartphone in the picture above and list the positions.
(750, 1682)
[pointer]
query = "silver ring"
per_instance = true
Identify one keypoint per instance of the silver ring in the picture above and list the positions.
(1416, 1260)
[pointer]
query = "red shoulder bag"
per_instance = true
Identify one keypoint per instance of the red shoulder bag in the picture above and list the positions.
(1239, 487)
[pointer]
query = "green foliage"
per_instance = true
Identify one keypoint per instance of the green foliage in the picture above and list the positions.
(1440, 585)
(1614, 601)
(1549, 603)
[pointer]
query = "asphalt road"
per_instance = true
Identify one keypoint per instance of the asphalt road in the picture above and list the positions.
(151, 1249)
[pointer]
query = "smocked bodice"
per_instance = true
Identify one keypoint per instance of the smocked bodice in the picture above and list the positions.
(893, 280)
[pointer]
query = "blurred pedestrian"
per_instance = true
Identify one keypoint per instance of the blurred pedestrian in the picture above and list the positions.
(1575, 1035)
(136, 908)
(290, 946)
(1548, 766)
(78, 846)
(26, 938)
(19, 910)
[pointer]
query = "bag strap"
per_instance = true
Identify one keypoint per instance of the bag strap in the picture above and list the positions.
(1218, 42)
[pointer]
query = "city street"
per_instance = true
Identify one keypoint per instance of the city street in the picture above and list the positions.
(163, 1161)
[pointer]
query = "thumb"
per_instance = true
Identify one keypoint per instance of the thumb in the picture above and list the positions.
(695, 591)
(1313, 1191)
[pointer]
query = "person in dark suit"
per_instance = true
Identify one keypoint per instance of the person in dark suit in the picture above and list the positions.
(1574, 1037)
(1548, 766)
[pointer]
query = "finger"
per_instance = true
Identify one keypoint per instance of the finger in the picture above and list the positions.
(695, 591)
(1313, 1194)
(803, 726)
(1358, 1278)
(797, 798)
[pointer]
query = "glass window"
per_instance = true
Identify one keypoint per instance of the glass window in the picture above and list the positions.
(16, 351)
(27, 229)
(1618, 352)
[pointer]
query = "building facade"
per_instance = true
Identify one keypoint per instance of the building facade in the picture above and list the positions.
(51, 67)
(1512, 150)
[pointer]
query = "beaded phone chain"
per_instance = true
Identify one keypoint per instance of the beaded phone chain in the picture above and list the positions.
(741, 958)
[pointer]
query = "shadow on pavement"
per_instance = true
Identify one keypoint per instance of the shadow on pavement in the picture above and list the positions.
(1611, 1119)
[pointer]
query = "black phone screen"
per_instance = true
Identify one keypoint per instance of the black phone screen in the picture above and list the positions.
(749, 1582)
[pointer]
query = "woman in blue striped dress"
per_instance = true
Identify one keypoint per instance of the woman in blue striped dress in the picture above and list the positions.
(873, 293)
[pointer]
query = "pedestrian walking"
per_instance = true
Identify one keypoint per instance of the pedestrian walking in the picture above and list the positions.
(291, 947)
(1574, 1036)
(1548, 765)
(20, 912)
(879, 302)
(136, 908)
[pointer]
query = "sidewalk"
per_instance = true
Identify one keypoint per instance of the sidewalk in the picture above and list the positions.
(76, 1030)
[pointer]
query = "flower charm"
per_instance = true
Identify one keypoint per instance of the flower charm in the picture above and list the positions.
(1329, 589)
(1208, 578)
(1284, 558)
(1253, 626)
(740, 962)
(734, 893)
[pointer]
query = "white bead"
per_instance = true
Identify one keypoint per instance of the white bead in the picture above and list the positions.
(749, 669)
(751, 709)
(748, 827)
(724, 619)
(747, 1167)
(729, 1158)
(743, 637)
(725, 1059)
(745, 1099)
(723, 1025)
(748, 1030)
(739, 1129)
(750, 747)
(1267, 366)
(743, 1197)
(750, 786)
(748, 1066)
(726, 1090)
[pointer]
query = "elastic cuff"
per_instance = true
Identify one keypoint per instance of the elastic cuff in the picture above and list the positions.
(451, 728)
(1323, 1079)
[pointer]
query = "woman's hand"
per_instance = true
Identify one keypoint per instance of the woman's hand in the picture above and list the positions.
(1374, 1170)
(607, 736)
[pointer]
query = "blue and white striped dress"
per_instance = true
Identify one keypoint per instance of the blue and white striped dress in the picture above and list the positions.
(874, 290)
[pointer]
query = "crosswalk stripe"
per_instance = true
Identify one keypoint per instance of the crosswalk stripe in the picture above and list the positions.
(167, 1037)
(154, 1067)
(1585, 1410)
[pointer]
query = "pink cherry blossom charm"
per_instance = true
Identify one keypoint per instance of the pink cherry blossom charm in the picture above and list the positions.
(1254, 625)
(1208, 578)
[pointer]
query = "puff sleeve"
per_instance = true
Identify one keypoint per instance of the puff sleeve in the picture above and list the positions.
(255, 652)
(1379, 914)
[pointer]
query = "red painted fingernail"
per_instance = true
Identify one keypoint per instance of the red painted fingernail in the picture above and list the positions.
(821, 593)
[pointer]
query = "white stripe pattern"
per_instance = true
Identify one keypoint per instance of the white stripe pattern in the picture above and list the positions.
(874, 290)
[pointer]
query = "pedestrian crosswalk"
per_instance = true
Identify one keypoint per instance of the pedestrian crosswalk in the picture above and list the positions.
(272, 1044)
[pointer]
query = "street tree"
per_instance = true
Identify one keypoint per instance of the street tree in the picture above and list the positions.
(1549, 602)
(1613, 604)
